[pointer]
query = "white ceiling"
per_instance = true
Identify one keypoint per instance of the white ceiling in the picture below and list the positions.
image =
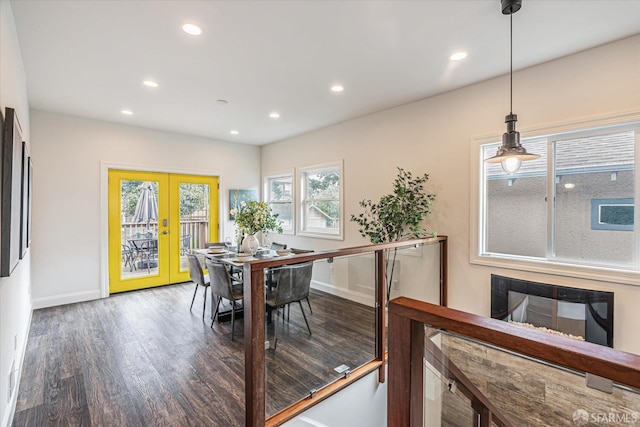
(89, 57)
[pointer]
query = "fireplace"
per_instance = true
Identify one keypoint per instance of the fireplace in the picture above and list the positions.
(579, 312)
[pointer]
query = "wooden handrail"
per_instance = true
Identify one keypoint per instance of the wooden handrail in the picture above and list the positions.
(254, 314)
(407, 318)
(606, 362)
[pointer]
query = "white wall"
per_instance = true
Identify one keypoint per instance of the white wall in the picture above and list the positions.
(434, 136)
(363, 403)
(15, 303)
(68, 153)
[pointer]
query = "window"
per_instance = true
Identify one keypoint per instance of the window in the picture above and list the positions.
(279, 194)
(321, 201)
(574, 206)
(612, 214)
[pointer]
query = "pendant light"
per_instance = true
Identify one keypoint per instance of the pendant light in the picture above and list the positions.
(511, 153)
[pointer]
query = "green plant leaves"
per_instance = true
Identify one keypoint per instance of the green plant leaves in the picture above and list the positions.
(398, 215)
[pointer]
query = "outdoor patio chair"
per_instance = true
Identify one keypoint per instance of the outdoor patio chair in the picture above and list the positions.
(185, 243)
(128, 256)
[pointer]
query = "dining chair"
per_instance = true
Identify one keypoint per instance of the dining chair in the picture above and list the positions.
(223, 286)
(272, 274)
(199, 278)
(278, 246)
(294, 283)
(296, 251)
(209, 244)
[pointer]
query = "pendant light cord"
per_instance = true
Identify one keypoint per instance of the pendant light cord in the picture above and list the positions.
(511, 64)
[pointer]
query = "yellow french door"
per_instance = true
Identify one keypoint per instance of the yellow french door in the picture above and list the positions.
(154, 220)
(194, 213)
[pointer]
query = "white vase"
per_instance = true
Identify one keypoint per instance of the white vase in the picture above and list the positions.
(250, 244)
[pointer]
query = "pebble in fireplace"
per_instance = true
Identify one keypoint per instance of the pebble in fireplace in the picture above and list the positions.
(573, 311)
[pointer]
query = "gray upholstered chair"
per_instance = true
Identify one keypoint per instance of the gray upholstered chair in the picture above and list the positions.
(222, 286)
(199, 278)
(294, 282)
(278, 246)
(272, 276)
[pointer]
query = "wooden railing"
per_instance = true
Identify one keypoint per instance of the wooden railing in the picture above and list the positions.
(254, 330)
(197, 229)
(407, 318)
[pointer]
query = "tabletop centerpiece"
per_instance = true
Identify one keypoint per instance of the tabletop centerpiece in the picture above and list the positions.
(253, 217)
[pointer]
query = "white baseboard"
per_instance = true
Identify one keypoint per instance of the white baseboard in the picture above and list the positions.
(343, 293)
(11, 407)
(65, 299)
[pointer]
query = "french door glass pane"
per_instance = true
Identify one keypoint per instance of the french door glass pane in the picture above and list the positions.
(515, 208)
(194, 219)
(594, 207)
(139, 228)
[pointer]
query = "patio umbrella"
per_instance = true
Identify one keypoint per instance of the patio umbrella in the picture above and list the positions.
(147, 206)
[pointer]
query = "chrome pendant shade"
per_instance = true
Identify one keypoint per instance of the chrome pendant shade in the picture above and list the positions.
(511, 153)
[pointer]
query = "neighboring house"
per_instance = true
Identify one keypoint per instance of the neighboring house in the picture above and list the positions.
(319, 219)
(594, 192)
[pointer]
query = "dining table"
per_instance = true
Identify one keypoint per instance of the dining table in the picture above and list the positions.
(228, 257)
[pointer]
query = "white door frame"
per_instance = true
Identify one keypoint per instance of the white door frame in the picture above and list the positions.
(104, 207)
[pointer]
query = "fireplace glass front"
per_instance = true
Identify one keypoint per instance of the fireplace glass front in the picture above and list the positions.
(578, 312)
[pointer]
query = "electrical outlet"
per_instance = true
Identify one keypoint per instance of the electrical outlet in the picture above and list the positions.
(396, 284)
(266, 345)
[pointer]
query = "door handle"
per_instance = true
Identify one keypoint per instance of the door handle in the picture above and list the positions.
(165, 232)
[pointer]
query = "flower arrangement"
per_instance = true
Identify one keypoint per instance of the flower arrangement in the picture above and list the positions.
(253, 216)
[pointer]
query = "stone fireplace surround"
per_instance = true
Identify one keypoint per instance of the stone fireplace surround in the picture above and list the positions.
(573, 311)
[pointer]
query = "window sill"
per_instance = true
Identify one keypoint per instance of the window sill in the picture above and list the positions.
(320, 235)
(601, 274)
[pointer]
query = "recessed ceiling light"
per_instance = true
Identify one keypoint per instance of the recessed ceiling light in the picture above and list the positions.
(192, 29)
(127, 112)
(458, 56)
(234, 132)
(150, 83)
(274, 115)
(337, 88)
(569, 186)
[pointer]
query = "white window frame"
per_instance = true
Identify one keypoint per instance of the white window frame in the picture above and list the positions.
(266, 180)
(300, 176)
(546, 265)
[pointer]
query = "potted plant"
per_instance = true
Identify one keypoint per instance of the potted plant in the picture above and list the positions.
(396, 216)
(253, 217)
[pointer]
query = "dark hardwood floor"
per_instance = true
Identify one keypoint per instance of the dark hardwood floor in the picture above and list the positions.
(143, 359)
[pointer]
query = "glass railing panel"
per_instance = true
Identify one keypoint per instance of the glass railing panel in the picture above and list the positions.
(342, 320)
(414, 272)
(525, 391)
(444, 404)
